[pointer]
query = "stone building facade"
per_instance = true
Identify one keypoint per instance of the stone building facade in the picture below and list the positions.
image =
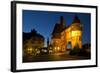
(64, 38)
(32, 42)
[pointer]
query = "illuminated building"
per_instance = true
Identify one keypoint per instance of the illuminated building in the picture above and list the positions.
(63, 37)
(32, 41)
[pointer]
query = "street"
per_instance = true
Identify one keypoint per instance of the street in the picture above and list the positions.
(52, 57)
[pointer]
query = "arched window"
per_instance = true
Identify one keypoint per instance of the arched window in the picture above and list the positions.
(69, 46)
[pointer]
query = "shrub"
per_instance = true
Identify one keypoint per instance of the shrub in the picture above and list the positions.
(75, 51)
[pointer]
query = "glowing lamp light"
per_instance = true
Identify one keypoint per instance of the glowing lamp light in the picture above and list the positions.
(45, 50)
(29, 50)
(57, 48)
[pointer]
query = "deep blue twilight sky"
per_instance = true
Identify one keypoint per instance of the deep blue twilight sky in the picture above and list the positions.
(43, 22)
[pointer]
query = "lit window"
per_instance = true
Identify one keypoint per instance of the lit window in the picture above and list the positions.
(75, 33)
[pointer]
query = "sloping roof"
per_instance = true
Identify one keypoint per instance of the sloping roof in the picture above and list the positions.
(28, 35)
(56, 31)
(77, 26)
(57, 28)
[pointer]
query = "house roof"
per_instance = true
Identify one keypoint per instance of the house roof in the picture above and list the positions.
(32, 34)
(76, 20)
(57, 28)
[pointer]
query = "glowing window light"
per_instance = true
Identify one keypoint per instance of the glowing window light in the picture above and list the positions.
(75, 33)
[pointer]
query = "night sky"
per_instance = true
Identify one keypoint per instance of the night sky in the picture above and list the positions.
(43, 22)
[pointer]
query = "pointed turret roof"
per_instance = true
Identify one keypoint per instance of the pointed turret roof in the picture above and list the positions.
(76, 20)
(78, 24)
